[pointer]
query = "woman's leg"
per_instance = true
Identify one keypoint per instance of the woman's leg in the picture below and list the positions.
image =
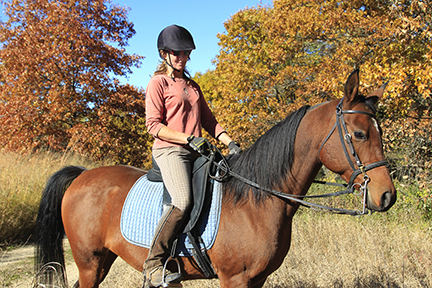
(176, 165)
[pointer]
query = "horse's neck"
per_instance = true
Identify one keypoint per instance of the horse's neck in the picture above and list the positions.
(259, 233)
(306, 163)
(270, 215)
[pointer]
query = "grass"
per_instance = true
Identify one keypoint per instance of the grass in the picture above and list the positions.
(336, 251)
(22, 179)
(16, 273)
(339, 251)
(392, 249)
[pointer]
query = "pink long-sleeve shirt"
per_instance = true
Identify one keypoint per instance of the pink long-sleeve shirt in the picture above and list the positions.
(179, 106)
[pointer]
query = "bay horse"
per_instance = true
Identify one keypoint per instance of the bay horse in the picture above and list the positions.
(255, 226)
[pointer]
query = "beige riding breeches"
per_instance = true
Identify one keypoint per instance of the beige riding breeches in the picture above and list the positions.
(176, 165)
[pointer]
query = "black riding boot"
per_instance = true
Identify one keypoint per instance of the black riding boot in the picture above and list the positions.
(166, 232)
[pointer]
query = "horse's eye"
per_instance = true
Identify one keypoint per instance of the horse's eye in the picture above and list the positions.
(359, 135)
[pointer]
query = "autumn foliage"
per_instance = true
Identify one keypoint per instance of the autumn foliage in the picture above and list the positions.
(275, 59)
(58, 89)
(59, 61)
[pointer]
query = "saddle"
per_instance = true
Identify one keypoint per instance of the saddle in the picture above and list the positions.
(202, 187)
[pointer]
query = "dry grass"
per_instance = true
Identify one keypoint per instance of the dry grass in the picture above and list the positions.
(340, 251)
(22, 179)
(336, 251)
(382, 250)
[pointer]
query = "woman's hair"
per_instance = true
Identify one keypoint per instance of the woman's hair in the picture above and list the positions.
(162, 68)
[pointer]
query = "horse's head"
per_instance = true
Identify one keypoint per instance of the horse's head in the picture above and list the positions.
(354, 148)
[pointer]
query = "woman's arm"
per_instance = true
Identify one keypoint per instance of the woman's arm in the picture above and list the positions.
(168, 134)
(225, 138)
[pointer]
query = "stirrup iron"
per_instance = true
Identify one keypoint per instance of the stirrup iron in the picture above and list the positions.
(163, 273)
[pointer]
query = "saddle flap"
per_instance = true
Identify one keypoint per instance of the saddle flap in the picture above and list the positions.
(201, 190)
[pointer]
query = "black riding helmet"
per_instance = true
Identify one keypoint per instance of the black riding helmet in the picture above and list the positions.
(175, 38)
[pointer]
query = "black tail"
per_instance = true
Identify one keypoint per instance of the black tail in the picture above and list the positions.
(49, 225)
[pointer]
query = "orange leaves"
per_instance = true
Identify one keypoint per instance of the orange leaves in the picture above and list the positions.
(275, 59)
(116, 129)
(57, 69)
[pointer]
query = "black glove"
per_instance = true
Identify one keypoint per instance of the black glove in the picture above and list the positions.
(199, 144)
(234, 148)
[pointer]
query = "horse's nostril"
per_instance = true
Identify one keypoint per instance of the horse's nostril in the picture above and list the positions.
(386, 201)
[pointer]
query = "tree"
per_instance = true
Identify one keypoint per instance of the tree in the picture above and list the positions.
(244, 99)
(59, 63)
(275, 59)
(119, 131)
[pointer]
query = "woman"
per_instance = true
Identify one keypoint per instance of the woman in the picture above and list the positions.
(175, 112)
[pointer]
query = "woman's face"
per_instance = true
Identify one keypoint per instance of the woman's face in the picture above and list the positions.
(178, 59)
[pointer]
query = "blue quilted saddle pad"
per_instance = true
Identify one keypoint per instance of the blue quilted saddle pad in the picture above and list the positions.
(143, 209)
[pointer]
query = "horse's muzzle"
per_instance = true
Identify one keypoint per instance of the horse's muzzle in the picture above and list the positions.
(386, 202)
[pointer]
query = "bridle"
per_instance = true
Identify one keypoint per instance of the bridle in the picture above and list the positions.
(345, 137)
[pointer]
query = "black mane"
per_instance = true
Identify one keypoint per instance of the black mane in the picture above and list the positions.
(267, 161)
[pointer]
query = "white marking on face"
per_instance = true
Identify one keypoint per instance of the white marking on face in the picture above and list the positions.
(375, 124)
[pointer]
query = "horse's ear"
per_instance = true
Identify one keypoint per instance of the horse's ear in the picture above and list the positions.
(377, 94)
(352, 86)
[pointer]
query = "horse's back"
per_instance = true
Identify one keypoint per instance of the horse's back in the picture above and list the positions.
(108, 175)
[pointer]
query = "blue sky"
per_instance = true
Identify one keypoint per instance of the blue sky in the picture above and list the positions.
(203, 18)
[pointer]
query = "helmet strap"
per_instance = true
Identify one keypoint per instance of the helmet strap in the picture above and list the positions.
(169, 63)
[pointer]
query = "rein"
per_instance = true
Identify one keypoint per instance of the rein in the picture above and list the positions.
(345, 137)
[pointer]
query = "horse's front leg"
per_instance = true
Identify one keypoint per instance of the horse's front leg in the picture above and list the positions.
(259, 284)
(240, 281)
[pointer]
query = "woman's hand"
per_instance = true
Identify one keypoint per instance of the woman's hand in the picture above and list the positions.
(199, 144)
